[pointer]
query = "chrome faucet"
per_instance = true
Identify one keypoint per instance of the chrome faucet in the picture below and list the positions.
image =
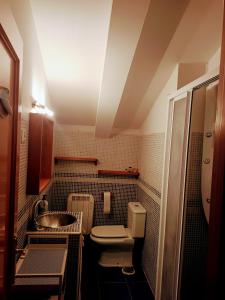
(42, 203)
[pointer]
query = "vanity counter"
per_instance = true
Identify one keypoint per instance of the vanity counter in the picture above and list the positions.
(74, 257)
(74, 229)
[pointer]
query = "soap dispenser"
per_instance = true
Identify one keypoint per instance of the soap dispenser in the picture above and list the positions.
(44, 203)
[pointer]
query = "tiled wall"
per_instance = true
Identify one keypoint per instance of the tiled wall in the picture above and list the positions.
(117, 153)
(25, 202)
(122, 193)
(196, 228)
(150, 161)
(150, 164)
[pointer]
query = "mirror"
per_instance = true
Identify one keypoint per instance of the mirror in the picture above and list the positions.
(5, 67)
(5, 107)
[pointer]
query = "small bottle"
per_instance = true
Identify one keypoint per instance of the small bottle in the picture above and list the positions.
(130, 169)
(44, 203)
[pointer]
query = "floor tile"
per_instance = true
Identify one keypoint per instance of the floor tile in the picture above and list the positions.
(100, 283)
(140, 290)
(139, 276)
(90, 294)
(111, 275)
(114, 291)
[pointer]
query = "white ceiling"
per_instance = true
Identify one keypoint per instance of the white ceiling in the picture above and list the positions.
(106, 61)
(73, 37)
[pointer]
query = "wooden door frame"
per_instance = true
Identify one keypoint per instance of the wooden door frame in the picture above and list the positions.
(216, 250)
(14, 170)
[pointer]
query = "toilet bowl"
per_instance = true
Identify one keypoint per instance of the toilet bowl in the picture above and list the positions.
(117, 242)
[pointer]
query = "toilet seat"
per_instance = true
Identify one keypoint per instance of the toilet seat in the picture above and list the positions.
(111, 231)
(112, 234)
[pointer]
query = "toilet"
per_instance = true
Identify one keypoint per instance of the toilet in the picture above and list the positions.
(117, 242)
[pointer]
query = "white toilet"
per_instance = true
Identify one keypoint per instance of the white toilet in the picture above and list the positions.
(117, 241)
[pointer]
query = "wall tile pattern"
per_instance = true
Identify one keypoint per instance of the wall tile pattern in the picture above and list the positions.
(150, 165)
(150, 249)
(121, 195)
(117, 153)
(196, 227)
(25, 202)
(150, 160)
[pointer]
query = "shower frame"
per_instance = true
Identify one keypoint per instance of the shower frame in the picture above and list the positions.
(188, 91)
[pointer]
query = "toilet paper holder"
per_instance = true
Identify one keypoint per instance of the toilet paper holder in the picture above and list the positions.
(107, 196)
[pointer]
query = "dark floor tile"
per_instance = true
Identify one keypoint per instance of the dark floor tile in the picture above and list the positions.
(111, 275)
(140, 290)
(114, 291)
(139, 276)
(90, 294)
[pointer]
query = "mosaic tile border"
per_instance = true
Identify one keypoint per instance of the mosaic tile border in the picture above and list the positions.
(121, 195)
(96, 180)
(91, 175)
(151, 188)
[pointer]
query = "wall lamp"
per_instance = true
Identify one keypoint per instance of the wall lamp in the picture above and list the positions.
(38, 108)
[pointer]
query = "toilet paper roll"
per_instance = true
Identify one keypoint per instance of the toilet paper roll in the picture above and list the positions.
(107, 198)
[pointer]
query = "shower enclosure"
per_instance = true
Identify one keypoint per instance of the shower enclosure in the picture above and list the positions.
(187, 190)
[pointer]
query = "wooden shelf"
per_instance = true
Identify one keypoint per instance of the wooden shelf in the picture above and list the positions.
(126, 173)
(80, 159)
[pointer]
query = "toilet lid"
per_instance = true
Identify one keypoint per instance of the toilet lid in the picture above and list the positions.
(111, 231)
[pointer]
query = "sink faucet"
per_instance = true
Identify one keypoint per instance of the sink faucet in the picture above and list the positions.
(42, 203)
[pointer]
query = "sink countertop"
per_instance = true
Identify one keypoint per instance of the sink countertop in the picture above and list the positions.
(75, 228)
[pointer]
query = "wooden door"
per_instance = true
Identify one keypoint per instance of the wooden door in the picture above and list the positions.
(9, 69)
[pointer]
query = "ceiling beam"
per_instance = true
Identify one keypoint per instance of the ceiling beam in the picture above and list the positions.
(127, 19)
(160, 25)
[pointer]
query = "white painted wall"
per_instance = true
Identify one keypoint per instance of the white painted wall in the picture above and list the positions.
(214, 62)
(156, 120)
(17, 21)
(8, 22)
(34, 84)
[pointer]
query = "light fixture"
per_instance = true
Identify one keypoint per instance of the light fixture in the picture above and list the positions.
(38, 108)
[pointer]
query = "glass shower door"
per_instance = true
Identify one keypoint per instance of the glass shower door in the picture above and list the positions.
(177, 144)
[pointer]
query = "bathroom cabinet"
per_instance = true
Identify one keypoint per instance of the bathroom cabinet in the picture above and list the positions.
(40, 144)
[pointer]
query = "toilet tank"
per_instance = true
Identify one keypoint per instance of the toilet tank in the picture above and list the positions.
(136, 219)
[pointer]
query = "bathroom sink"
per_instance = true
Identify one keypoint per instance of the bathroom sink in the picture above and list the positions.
(54, 220)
